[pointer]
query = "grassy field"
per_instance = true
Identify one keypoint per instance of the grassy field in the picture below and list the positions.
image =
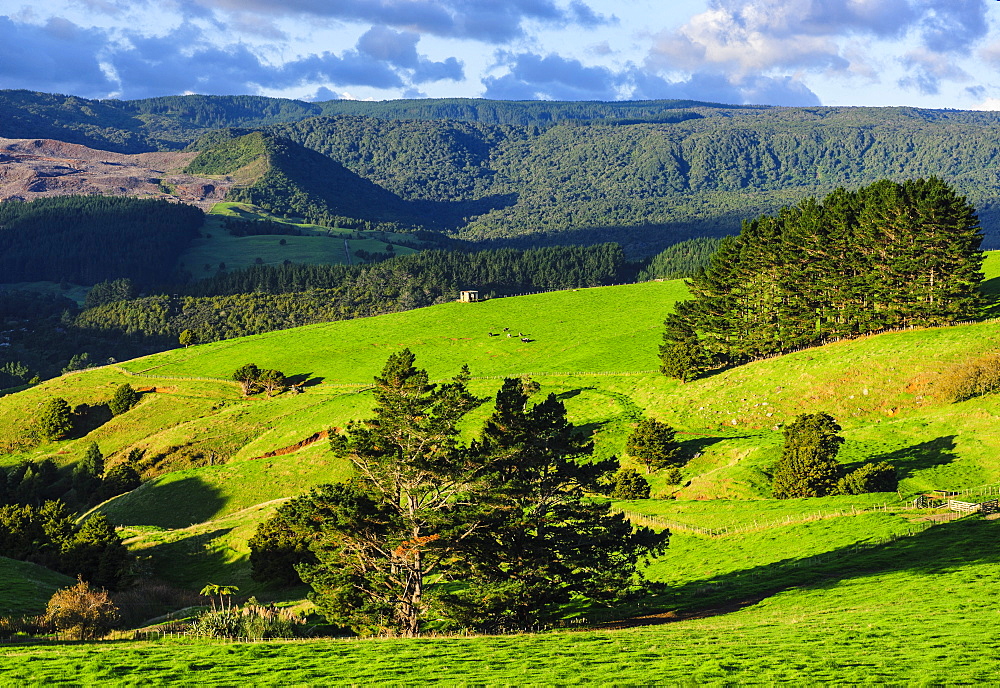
(878, 597)
(913, 611)
(317, 245)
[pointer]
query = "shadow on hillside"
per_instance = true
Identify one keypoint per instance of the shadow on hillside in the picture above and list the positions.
(199, 557)
(938, 549)
(174, 504)
(563, 396)
(693, 446)
(304, 380)
(919, 457)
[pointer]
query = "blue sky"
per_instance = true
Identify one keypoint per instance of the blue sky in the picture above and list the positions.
(925, 53)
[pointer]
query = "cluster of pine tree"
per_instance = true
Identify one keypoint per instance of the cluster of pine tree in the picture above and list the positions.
(87, 239)
(887, 255)
(506, 522)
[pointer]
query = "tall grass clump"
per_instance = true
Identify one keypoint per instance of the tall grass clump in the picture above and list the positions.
(252, 621)
(974, 378)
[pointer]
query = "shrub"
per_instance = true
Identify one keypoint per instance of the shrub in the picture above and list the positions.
(86, 612)
(973, 378)
(872, 477)
(672, 476)
(252, 621)
(119, 479)
(125, 398)
(808, 466)
(630, 485)
(55, 421)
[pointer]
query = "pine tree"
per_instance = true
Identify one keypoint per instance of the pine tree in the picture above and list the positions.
(55, 420)
(541, 540)
(395, 525)
(808, 465)
(125, 397)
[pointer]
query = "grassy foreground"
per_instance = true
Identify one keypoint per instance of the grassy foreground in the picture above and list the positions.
(917, 613)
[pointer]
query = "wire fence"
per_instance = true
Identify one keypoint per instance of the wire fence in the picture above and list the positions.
(922, 502)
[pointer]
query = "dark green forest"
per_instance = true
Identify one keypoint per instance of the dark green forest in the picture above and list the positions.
(89, 239)
(885, 256)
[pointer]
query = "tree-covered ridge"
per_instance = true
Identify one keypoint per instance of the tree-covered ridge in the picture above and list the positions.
(265, 298)
(88, 239)
(285, 178)
(887, 255)
(646, 174)
(646, 185)
(418, 160)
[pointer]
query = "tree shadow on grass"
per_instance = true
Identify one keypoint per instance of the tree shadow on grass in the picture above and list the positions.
(304, 380)
(167, 504)
(915, 458)
(563, 396)
(196, 559)
(692, 446)
(938, 549)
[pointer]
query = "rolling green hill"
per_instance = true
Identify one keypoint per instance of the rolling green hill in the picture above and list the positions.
(833, 590)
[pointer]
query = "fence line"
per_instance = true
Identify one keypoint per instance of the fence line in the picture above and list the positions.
(636, 516)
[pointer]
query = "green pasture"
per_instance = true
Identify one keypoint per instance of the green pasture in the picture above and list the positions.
(27, 587)
(915, 611)
(184, 498)
(587, 330)
(742, 513)
(317, 245)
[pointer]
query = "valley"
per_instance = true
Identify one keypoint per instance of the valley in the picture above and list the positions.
(336, 237)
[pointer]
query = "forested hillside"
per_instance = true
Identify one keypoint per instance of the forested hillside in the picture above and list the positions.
(885, 256)
(645, 174)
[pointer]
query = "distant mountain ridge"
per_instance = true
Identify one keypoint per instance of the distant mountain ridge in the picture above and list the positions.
(645, 174)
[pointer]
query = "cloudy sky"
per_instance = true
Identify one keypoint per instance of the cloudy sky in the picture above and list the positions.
(926, 53)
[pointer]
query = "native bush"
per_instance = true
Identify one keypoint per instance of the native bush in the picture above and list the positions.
(252, 621)
(82, 610)
(971, 379)
(872, 477)
(630, 485)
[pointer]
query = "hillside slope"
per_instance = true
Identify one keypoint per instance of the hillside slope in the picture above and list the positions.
(645, 174)
(224, 461)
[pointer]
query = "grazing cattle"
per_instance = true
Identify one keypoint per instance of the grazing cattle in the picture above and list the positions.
(492, 334)
(526, 340)
(509, 335)
(505, 329)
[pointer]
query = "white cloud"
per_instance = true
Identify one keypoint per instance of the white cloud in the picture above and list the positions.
(990, 104)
